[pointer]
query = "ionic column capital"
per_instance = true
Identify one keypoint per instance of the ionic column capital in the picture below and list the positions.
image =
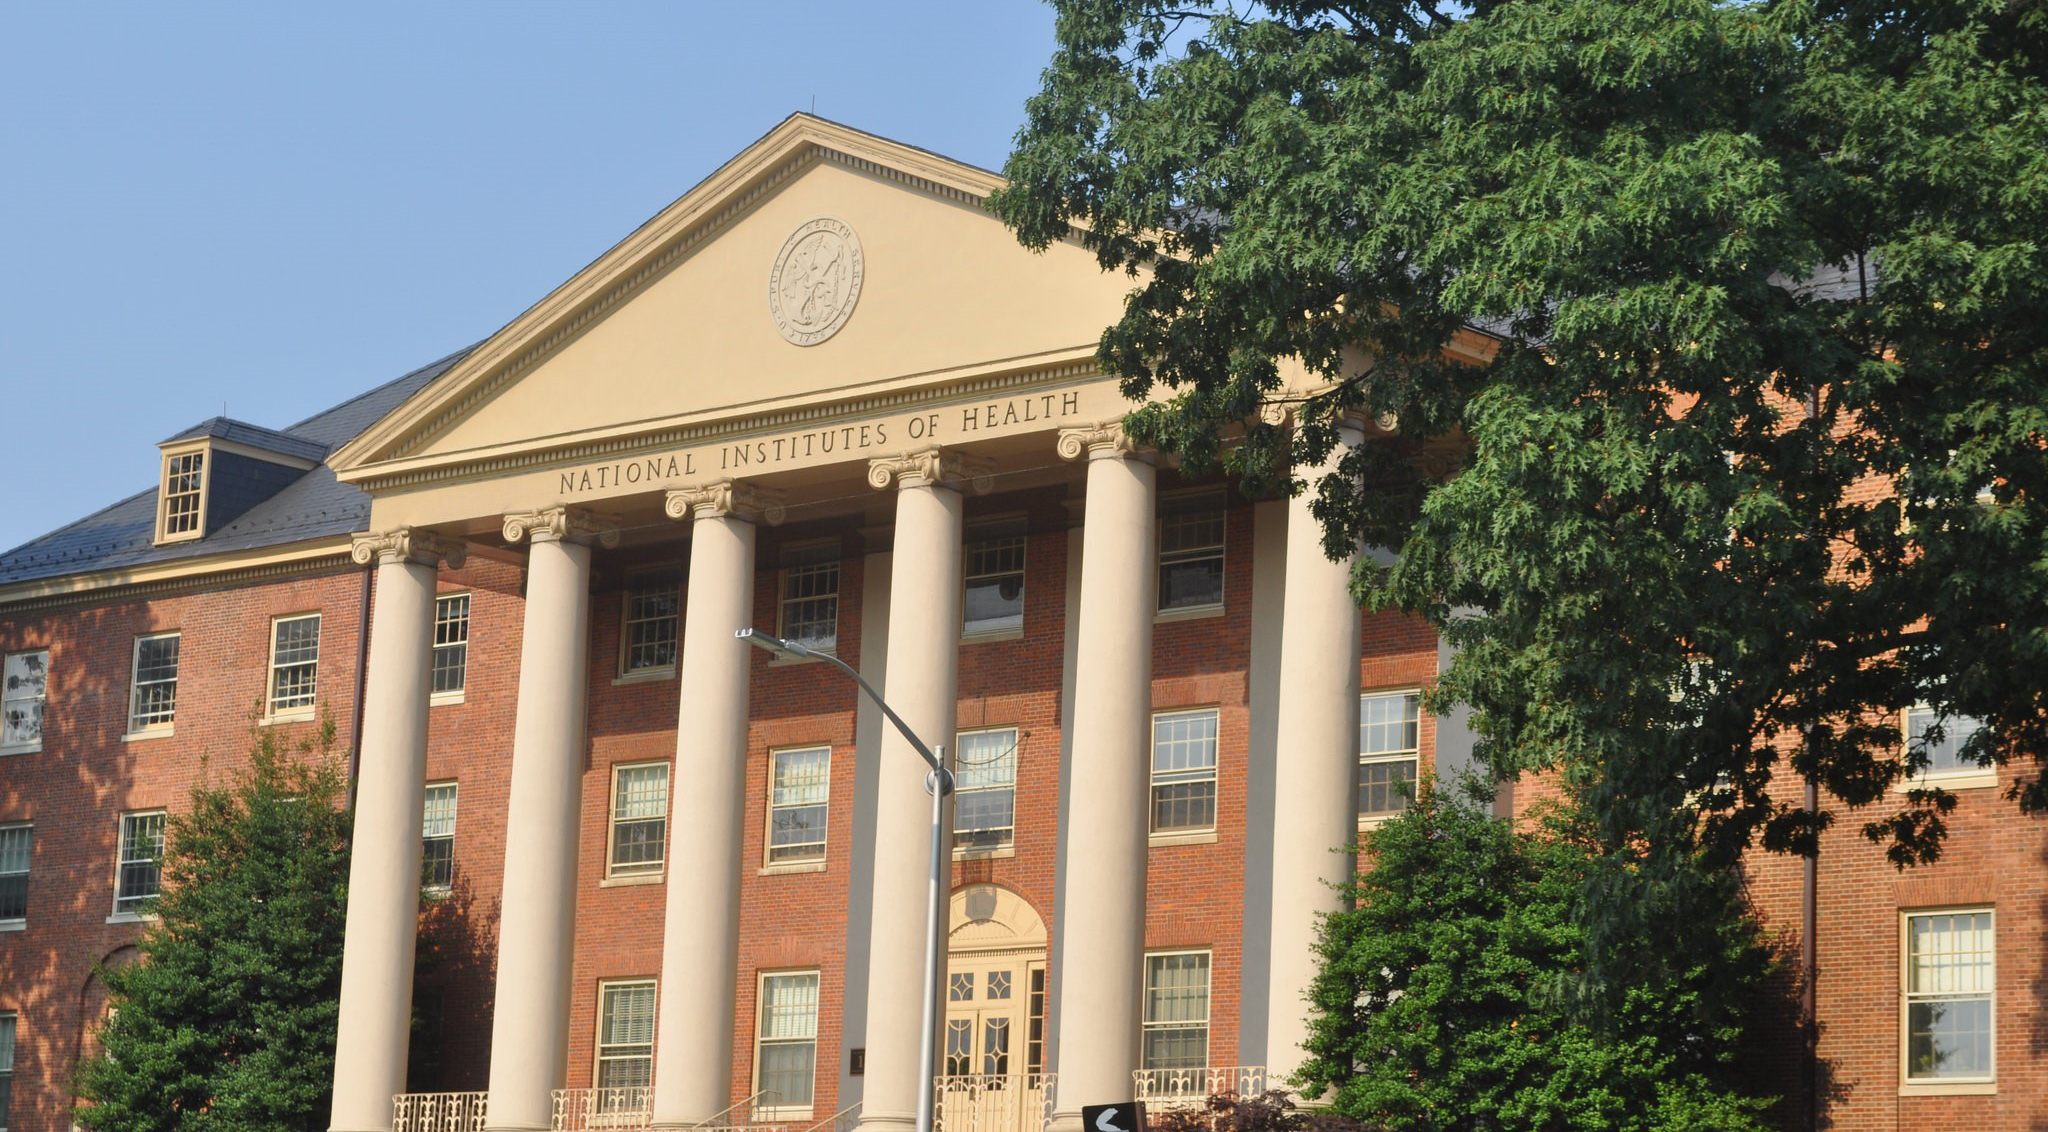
(561, 524)
(408, 544)
(722, 498)
(933, 467)
(1103, 440)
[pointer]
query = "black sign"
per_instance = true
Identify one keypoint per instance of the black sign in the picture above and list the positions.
(1123, 1116)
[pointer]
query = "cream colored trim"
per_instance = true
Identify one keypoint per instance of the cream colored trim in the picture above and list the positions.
(1188, 613)
(209, 571)
(647, 254)
(1191, 837)
(169, 452)
(806, 864)
(1988, 1083)
(632, 879)
(219, 444)
(163, 732)
(661, 675)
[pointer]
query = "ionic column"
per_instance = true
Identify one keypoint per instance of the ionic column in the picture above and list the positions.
(1315, 775)
(384, 870)
(536, 922)
(1102, 925)
(922, 686)
(700, 942)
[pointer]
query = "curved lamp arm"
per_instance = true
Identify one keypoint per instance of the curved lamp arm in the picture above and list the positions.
(780, 647)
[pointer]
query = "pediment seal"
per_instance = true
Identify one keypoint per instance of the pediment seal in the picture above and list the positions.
(815, 281)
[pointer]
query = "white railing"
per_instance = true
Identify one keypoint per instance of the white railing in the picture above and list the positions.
(1192, 1088)
(841, 1121)
(579, 1109)
(982, 1102)
(437, 1112)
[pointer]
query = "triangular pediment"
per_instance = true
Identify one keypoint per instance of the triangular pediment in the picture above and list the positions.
(739, 300)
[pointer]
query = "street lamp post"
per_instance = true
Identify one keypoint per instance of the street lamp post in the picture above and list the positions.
(938, 784)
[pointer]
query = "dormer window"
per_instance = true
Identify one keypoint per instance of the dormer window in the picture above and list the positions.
(184, 496)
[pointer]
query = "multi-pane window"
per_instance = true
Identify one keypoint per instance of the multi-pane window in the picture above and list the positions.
(437, 838)
(6, 1066)
(1940, 739)
(1948, 995)
(994, 598)
(1184, 770)
(14, 854)
(1389, 735)
(451, 643)
(1176, 1027)
(985, 789)
(1191, 553)
(639, 819)
(654, 606)
(786, 1053)
(810, 597)
(799, 802)
(24, 682)
(625, 1043)
(153, 690)
(294, 663)
(184, 476)
(140, 867)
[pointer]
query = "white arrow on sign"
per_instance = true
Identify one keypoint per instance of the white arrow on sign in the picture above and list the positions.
(1103, 1121)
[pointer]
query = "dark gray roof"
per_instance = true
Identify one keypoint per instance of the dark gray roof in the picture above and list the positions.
(255, 436)
(313, 506)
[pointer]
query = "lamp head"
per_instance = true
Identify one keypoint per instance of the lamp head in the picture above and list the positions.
(776, 645)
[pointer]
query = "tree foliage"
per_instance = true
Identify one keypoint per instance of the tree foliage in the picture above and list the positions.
(227, 1023)
(1444, 998)
(1751, 419)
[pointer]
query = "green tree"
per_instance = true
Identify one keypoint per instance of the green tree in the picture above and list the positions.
(227, 1022)
(1443, 998)
(1750, 451)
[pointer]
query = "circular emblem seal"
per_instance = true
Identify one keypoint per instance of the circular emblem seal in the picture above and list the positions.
(815, 281)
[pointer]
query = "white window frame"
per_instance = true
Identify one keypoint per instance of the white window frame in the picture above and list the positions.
(439, 826)
(782, 1108)
(27, 833)
(1956, 730)
(970, 777)
(1388, 756)
(122, 859)
(800, 561)
(619, 1098)
(299, 708)
(190, 480)
(993, 540)
(809, 862)
(1185, 776)
(647, 583)
(11, 683)
(1149, 1024)
(636, 872)
(1181, 505)
(1985, 1082)
(451, 652)
(153, 726)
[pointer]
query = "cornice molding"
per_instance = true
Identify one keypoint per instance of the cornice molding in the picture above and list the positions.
(416, 545)
(933, 467)
(727, 499)
(95, 589)
(561, 524)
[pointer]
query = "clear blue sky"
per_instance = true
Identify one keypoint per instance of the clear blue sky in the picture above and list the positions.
(277, 205)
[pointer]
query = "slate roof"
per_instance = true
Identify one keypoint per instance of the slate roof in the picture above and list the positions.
(313, 506)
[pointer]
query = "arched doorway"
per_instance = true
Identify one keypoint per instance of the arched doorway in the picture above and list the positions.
(992, 1056)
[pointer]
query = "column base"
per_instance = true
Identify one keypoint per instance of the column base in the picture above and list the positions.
(494, 1126)
(886, 1122)
(1064, 1121)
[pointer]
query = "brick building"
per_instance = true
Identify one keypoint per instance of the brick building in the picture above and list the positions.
(615, 868)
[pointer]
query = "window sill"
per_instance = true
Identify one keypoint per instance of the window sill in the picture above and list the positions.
(663, 674)
(151, 733)
(1948, 1089)
(294, 715)
(787, 868)
(983, 636)
(13, 925)
(631, 879)
(133, 918)
(780, 661)
(438, 699)
(22, 748)
(1183, 837)
(995, 853)
(1976, 778)
(1374, 821)
(778, 1115)
(1188, 613)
